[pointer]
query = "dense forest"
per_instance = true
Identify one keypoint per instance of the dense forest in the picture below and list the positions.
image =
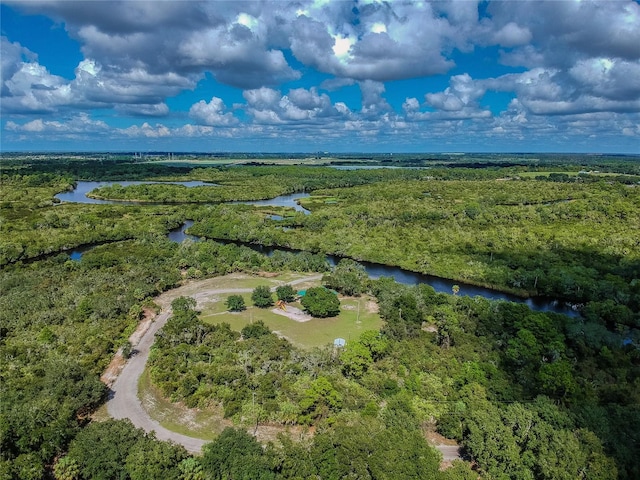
(526, 394)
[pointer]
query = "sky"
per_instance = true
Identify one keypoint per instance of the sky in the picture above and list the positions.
(320, 75)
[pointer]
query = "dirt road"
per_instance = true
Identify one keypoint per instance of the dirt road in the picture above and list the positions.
(123, 399)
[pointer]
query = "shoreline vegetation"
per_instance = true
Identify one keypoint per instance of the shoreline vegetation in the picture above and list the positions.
(526, 394)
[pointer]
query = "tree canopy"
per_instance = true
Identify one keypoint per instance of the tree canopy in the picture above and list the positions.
(320, 302)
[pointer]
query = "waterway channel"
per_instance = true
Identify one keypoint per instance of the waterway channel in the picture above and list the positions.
(79, 194)
(374, 270)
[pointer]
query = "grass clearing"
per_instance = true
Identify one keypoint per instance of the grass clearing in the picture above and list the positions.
(354, 318)
(204, 424)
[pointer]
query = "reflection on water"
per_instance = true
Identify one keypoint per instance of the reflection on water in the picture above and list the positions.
(79, 194)
(290, 201)
(179, 234)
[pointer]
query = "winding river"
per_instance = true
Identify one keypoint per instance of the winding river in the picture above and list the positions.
(374, 270)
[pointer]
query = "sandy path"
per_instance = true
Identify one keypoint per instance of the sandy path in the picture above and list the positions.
(123, 399)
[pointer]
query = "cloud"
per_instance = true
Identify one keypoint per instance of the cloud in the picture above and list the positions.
(236, 56)
(459, 101)
(78, 124)
(593, 86)
(378, 42)
(12, 55)
(511, 35)
(28, 87)
(614, 79)
(137, 110)
(463, 92)
(411, 105)
(571, 59)
(147, 131)
(570, 31)
(373, 103)
(269, 106)
(231, 40)
(212, 113)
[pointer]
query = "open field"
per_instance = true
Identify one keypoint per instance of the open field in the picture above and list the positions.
(357, 315)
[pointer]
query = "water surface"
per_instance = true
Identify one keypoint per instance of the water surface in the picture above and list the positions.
(79, 194)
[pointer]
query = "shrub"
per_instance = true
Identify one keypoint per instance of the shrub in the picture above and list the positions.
(235, 303)
(286, 293)
(261, 297)
(255, 330)
(320, 302)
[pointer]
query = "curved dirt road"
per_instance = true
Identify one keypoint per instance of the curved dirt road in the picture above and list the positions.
(123, 399)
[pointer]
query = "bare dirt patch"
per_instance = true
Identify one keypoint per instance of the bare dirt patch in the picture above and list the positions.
(372, 307)
(293, 313)
(436, 439)
(449, 449)
(176, 416)
(204, 298)
(268, 274)
(118, 361)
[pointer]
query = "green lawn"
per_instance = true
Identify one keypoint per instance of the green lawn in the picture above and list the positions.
(316, 332)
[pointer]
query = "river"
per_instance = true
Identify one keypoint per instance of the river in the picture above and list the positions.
(406, 277)
(79, 194)
(374, 270)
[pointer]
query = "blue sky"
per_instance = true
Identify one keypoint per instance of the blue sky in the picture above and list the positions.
(304, 76)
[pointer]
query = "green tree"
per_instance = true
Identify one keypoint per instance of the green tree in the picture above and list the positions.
(262, 297)
(235, 454)
(113, 439)
(376, 343)
(348, 278)
(191, 469)
(459, 470)
(320, 302)
(151, 459)
(319, 400)
(183, 304)
(235, 303)
(286, 293)
(127, 349)
(66, 469)
(255, 330)
(356, 359)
